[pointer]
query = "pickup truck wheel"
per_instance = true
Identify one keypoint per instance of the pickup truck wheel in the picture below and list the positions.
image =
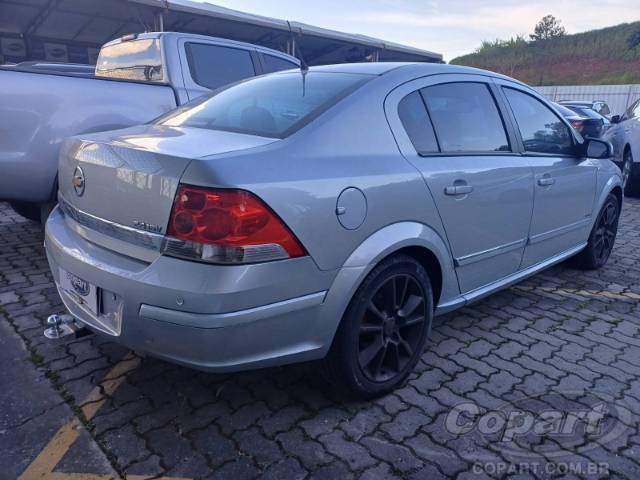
(602, 237)
(631, 183)
(45, 210)
(384, 330)
(28, 210)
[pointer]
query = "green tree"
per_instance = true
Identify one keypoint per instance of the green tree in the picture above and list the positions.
(548, 27)
(634, 39)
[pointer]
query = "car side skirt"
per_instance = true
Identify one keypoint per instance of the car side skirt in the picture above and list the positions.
(508, 281)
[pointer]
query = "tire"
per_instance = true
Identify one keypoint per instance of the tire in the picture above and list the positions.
(28, 210)
(45, 211)
(384, 330)
(602, 237)
(632, 185)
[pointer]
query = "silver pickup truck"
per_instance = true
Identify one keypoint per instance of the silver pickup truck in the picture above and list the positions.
(137, 78)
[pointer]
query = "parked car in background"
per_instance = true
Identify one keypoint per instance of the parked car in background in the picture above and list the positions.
(591, 124)
(588, 125)
(137, 78)
(587, 112)
(599, 106)
(328, 214)
(625, 136)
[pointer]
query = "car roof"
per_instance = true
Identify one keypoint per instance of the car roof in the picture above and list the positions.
(368, 68)
(416, 69)
(585, 103)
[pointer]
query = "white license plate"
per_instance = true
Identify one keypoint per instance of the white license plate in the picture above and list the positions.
(82, 291)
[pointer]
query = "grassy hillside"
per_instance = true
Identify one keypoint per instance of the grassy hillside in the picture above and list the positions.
(607, 56)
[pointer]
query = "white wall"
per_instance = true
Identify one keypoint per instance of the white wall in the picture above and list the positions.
(618, 97)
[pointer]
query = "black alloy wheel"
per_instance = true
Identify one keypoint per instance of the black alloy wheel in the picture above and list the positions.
(605, 232)
(384, 330)
(390, 327)
(602, 237)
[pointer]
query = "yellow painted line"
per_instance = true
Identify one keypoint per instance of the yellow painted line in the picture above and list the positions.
(43, 465)
(48, 458)
(108, 385)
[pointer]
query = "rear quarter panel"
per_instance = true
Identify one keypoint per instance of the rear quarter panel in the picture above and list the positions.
(37, 111)
(351, 145)
(608, 178)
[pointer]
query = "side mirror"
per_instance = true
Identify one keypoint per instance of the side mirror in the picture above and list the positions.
(596, 148)
(615, 119)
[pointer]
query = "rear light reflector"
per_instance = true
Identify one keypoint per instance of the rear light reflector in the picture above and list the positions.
(577, 124)
(226, 226)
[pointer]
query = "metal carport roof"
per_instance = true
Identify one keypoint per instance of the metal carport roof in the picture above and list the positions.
(73, 30)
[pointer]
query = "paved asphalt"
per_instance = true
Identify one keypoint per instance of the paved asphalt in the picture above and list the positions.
(539, 381)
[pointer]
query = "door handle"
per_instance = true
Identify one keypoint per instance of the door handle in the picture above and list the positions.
(458, 189)
(546, 181)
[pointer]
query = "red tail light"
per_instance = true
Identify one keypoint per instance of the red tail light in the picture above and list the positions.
(227, 226)
(577, 124)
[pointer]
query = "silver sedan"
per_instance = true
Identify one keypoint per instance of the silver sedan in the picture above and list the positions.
(324, 214)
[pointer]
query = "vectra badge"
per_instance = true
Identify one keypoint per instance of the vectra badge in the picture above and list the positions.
(78, 181)
(81, 287)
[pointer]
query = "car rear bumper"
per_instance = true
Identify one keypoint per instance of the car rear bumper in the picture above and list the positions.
(218, 318)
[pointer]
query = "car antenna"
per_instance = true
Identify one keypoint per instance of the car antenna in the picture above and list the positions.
(304, 68)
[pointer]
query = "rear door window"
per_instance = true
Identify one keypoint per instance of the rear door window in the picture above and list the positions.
(465, 118)
(276, 64)
(213, 66)
(415, 120)
(541, 129)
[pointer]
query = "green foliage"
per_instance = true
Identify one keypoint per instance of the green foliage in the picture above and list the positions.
(634, 39)
(548, 27)
(488, 45)
(609, 55)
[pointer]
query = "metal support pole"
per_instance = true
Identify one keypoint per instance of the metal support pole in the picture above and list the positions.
(160, 20)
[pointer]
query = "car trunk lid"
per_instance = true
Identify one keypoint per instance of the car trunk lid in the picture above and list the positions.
(128, 178)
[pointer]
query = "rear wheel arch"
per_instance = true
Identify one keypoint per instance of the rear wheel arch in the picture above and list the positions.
(353, 365)
(617, 191)
(431, 264)
(425, 256)
(415, 239)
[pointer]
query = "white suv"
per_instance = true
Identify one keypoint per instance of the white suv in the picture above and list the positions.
(626, 142)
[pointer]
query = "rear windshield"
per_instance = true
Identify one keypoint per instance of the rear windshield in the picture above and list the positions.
(273, 105)
(131, 60)
(564, 111)
(586, 112)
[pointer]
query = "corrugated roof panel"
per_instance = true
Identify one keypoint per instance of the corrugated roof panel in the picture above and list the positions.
(94, 22)
(61, 25)
(98, 31)
(16, 18)
(234, 15)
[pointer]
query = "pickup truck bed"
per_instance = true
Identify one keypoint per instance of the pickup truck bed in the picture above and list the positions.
(138, 78)
(38, 110)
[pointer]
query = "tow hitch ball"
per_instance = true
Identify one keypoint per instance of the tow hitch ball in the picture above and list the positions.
(62, 326)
